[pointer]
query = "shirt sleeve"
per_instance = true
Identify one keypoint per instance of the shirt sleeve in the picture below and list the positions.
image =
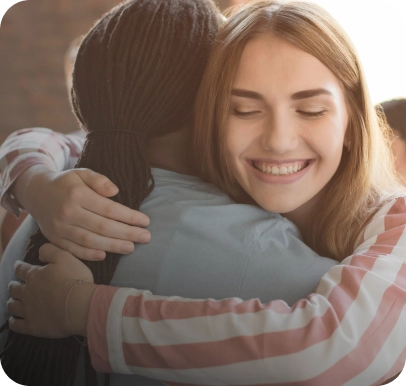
(29, 147)
(350, 332)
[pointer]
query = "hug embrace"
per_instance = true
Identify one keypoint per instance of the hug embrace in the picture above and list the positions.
(276, 248)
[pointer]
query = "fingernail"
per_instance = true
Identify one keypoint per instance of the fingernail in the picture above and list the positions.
(144, 222)
(127, 248)
(110, 186)
(145, 238)
(99, 255)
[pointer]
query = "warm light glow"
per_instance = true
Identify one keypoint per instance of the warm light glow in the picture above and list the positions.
(378, 30)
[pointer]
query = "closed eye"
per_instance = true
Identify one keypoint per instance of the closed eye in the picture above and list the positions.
(312, 114)
(245, 114)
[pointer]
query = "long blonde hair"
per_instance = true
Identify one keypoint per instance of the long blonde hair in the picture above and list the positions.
(365, 178)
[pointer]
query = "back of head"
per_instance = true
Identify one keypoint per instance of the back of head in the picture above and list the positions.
(135, 77)
(139, 68)
(362, 173)
(395, 113)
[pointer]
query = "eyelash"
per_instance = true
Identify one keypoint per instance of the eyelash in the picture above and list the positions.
(308, 114)
(242, 114)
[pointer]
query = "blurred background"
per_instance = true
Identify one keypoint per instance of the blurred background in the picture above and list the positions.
(38, 42)
(35, 37)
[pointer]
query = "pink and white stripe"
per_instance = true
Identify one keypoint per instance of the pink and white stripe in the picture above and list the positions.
(29, 147)
(350, 332)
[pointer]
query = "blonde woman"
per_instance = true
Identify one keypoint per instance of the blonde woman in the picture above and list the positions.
(284, 120)
(317, 54)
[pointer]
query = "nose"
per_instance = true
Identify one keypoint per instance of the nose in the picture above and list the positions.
(279, 135)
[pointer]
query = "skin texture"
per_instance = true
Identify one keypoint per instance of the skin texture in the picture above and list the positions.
(42, 311)
(275, 126)
(74, 213)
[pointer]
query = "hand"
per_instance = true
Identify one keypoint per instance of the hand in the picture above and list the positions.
(74, 213)
(40, 300)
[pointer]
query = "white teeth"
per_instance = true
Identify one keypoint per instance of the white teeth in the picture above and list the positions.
(275, 170)
(279, 170)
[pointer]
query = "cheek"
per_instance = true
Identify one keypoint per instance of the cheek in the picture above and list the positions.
(331, 138)
(232, 148)
(237, 142)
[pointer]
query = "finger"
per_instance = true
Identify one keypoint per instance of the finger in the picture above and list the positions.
(18, 325)
(105, 207)
(16, 289)
(21, 269)
(99, 183)
(15, 308)
(113, 229)
(90, 240)
(80, 252)
(49, 253)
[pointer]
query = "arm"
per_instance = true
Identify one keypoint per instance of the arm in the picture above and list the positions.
(350, 331)
(37, 146)
(71, 207)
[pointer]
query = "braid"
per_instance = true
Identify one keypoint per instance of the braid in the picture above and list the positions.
(137, 72)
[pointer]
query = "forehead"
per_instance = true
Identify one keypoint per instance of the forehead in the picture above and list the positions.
(271, 62)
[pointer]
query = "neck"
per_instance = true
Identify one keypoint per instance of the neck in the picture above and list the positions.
(172, 152)
(303, 216)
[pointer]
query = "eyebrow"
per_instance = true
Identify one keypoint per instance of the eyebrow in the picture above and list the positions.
(246, 94)
(296, 96)
(310, 93)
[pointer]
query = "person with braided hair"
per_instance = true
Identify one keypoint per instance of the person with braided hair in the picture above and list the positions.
(395, 114)
(135, 79)
(350, 330)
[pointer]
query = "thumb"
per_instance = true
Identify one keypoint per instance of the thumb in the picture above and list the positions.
(49, 253)
(97, 182)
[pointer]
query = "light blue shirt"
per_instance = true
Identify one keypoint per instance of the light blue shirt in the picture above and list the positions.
(204, 246)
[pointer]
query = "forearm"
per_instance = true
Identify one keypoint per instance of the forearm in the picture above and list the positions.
(73, 208)
(250, 343)
(29, 183)
(30, 147)
(351, 330)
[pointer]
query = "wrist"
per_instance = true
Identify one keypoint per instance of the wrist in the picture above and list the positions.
(78, 301)
(29, 182)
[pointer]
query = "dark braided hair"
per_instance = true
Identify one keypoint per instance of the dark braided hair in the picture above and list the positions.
(135, 77)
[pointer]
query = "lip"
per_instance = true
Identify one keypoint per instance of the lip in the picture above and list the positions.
(281, 179)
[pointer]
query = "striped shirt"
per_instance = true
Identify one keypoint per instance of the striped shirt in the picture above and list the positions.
(351, 331)
(29, 147)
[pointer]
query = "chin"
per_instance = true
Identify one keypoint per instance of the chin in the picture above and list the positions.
(281, 207)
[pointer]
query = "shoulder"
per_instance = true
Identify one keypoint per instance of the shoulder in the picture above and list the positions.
(393, 205)
(388, 224)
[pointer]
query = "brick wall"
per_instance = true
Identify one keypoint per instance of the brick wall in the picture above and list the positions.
(34, 37)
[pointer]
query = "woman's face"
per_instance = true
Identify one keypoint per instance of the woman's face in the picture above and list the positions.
(286, 128)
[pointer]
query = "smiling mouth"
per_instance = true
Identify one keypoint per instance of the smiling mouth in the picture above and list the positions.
(280, 169)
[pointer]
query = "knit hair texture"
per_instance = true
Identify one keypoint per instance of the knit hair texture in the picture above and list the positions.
(137, 70)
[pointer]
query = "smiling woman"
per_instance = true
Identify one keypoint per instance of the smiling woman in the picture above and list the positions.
(285, 107)
(284, 118)
(294, 127)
